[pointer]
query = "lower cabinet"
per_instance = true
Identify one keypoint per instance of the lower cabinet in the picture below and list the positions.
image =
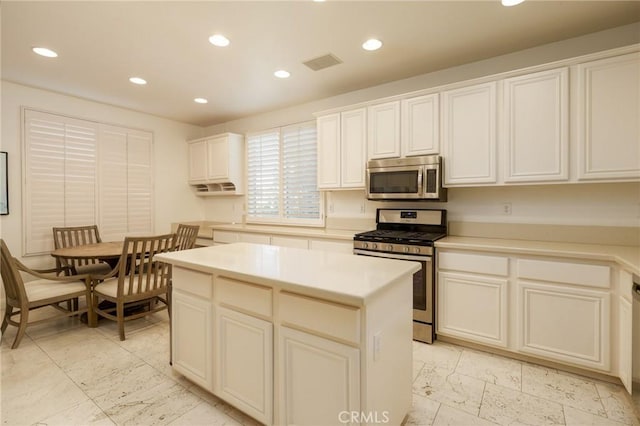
(319, 379)
(564, 323)
(192, 337)
(243, 363)
(473, 307)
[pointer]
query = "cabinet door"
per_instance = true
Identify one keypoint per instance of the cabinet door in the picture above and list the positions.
(469, 135)
(625, 343)
(568, 324)
(218, 155)
(537, 127)
(353, 148)
(473, 307)
(608, 124)
(329, 151)
(420, 130)
(384, 130)
(318, 379)
(192, 341)
(244, 363)
(198, 161)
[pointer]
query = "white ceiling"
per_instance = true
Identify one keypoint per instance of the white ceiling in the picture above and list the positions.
(102, 44)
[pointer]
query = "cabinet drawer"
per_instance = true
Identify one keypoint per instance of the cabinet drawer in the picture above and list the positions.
(193, 282)
(325, 318)
(476, 263)
(244, 296)
(254, 238)
(225, 237)
(290, 242)
(565, 272)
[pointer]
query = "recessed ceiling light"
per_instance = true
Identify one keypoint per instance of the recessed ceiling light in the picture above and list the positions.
(372, 44)
(511, 2)
(138, 80)
(43, 51)
(282, 74)
(219, 40)
(200, 100)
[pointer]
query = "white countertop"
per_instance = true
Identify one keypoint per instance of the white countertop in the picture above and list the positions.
(335, 276)
(628, 257)
(294, 231)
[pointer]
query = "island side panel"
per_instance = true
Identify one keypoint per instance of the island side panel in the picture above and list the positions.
(387, 358)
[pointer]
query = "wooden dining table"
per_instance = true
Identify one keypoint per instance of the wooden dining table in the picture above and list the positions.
(108, 251)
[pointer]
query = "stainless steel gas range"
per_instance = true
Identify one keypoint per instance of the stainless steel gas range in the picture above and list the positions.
(409, 234)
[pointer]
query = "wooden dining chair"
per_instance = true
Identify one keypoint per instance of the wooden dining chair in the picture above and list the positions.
(73, 236)
(47, 290)
(138, 281)
(186, 236)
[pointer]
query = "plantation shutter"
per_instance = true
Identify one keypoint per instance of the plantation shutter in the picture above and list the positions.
(281, 172)
(60, 176)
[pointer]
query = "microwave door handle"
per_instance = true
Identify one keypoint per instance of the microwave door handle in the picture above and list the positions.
(421, 182)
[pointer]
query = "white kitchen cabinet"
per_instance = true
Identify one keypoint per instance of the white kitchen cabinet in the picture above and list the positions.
(244, 358)
(245, 237)
(563, 311)
(318, 379)
(472, 291)
(342, 149)
(192, 337)
(536, 127)
(384, 130)
(216, 163)
(420, 125)
(609, 118)
(469, 135)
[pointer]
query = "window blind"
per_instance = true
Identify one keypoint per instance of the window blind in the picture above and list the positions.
(79, 172)
(281, 171)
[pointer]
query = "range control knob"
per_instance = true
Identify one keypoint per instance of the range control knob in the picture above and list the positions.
(365, 245)
(417, 250)
(406, 249)
(390, 247)
(374, 246)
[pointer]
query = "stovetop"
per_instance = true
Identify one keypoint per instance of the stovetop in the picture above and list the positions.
(399, 236)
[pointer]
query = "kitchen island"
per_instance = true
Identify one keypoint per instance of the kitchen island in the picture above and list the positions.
(292, 336)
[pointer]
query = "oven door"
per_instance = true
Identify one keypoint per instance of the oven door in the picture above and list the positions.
(423, 294)
(395, 183)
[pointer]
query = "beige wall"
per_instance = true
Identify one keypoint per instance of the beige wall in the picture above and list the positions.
(587, 204)
(174, 200)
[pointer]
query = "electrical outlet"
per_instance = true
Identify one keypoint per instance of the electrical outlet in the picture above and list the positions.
(506, 209)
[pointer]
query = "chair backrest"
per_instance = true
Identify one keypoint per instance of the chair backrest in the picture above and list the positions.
(11, 279)
(72, 236)
(186, 236)
(138, 273)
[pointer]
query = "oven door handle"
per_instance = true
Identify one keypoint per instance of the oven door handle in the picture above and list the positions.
(393, 256)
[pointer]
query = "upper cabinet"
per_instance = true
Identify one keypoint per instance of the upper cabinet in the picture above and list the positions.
(609, 118)
(469, 134)
(216, 164)
(341, 149)
(535, 113)
(420, 125)
(384, 130)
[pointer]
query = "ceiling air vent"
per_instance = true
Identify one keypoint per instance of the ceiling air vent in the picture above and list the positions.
(322, 62)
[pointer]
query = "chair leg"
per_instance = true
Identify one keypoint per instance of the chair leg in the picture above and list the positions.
(120, 315)
(24, 318)
(7, 315)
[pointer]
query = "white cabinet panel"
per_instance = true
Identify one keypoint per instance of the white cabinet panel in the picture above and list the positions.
(244, 363)
(473, 308)
(198, 161)
(332, 246)
(469, 134)
(318, 379)
(625, 339)
(329, 151)
(564, 323)
(475, 263)
(384, 130)
(218, 158)
(609, 118)
(353, 148)
(565, 272)
(294, 242)
(420, 127)
(536, 120)
(251, 298)
(192, 338)
(245, 237)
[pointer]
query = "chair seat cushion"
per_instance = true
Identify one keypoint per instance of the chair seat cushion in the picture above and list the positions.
(93, 269)
(109, 287)
(46, 289)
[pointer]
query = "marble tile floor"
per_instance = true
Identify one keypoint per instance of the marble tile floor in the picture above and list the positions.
(64, 373)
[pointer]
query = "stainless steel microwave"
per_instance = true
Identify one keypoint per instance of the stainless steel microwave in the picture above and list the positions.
(411, 178)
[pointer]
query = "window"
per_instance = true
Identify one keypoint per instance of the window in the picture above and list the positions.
(281, 169)
(79, 172)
